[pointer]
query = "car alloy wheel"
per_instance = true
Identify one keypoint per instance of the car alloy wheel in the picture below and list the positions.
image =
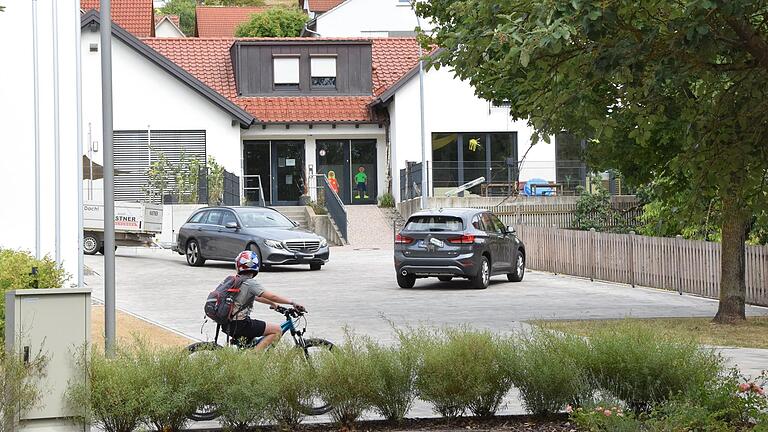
(483, 277)
(193, 254)
(486, 273)
(520, 265)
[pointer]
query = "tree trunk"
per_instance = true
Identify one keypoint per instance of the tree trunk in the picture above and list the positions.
(733, 288)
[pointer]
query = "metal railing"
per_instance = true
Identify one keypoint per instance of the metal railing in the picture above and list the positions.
(260, 188)
(332, 202)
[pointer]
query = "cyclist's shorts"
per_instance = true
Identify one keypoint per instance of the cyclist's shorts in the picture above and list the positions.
(247, 328)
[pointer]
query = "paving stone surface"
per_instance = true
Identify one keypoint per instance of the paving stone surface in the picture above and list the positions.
(368, 227)
(357, 288)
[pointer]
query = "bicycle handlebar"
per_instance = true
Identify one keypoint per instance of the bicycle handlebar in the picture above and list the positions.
(289, 312)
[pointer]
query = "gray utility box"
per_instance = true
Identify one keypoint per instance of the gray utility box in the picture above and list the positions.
(56, 323)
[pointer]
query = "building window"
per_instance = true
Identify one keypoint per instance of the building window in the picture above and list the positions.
(570, 169)
(286, 73)
(323, 72)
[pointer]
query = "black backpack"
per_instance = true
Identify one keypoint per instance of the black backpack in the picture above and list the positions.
(220, 304)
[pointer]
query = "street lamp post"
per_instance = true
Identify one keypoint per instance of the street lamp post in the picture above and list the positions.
(424, 182)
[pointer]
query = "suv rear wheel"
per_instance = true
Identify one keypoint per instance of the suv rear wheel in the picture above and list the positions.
(406, 281)
(519, 272)
(483, 277)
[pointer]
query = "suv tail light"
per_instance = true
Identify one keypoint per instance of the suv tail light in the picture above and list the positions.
(401, 239)
(465, 239)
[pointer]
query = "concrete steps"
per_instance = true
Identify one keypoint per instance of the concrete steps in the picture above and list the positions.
(297, 214)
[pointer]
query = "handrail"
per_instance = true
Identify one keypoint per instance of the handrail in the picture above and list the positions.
(260, 188)
(335, 206)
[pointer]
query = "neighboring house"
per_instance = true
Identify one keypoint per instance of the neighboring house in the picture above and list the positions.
(135, 16)
(315, 8)
(168, 26)
(366, 18)
(222, 21)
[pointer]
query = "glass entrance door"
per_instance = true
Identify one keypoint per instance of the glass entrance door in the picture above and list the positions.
(363, 171)
(257, 165)
(287, 172)
(333, 161)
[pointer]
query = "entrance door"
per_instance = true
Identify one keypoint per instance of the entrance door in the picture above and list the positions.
(287, 172)
(257, 162)
(333, 161)
(363, 171)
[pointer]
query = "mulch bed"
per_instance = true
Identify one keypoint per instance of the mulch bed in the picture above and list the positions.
(497, 423)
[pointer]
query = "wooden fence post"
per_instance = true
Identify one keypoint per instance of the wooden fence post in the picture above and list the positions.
(593, 237)
(631, 258)
(678, 264)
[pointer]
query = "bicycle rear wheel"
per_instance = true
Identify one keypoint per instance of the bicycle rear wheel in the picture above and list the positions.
(205, 412)
(313, 347)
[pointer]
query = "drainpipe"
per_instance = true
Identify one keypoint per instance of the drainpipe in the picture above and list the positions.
(306, 29)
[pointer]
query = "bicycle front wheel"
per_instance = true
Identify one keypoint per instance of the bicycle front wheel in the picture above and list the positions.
(313, 347)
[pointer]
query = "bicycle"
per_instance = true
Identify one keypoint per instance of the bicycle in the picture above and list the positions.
(292, 317)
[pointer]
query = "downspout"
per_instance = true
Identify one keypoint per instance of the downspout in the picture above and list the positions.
(306, 29)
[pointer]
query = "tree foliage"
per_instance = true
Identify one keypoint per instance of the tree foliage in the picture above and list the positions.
(185, 9)
(274, 22)
(234, 2)
(670, 92)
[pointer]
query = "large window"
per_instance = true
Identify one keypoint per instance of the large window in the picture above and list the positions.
(286, 73)
(458, 158)
(571, 171)
(323, 71)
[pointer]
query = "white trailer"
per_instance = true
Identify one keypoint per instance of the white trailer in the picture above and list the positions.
(136, 224)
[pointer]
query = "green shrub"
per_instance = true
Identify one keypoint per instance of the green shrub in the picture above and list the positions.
(244, 391)
(463, 370)
(642, 367)
(549, 372)
(605, 417)
(393, 379)
(19, 383)
(344, 379)
(16, 273)
(112, 396)
(387, 200)
(174, 380)
(294, 381)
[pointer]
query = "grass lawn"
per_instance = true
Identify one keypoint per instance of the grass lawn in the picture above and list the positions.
(752, 334)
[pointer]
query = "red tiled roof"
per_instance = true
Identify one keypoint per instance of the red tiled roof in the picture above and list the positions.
(323, 5)
(208, 59)
(174, 19)
(220, 21)
(136, 16)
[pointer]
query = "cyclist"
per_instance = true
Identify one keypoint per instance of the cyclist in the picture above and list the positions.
(241, 325)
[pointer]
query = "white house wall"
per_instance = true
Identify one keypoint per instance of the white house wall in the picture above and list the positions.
(323, 132)
(166, 29)
(17, 168)
(371, 18)
(146, 96)
(451, 106)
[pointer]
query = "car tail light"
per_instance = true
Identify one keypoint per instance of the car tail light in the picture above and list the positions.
(465, 239)
(401, 239)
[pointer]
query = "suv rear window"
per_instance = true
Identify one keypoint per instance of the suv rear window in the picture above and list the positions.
(434, 223)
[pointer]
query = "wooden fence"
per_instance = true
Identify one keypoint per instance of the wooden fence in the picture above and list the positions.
(689, 266)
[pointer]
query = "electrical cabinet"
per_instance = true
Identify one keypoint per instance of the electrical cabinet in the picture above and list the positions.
(55, 323)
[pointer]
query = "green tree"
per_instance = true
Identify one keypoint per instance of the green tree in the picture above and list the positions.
(669, 91)
(185, 9)
(234, 2)
(274, 22)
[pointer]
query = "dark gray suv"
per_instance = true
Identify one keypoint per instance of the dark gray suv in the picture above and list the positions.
(221, 233)
(457, 242)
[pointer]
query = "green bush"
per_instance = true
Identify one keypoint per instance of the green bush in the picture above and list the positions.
(16, 273)
(643, 368)
(113, 395)
(393, 379)
(174, 380)
(605, 417)
(463, 370)
(387, 200)
(549, 372)
(244, 389)
(294, 381)
(344, 380)
(279, 21)
(19, 384)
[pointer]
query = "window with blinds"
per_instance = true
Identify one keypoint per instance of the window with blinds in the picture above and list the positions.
(323, 71)
(135, 150)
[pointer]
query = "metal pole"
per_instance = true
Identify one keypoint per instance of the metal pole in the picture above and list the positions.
(36, 79)
(79, 113)
(109, 181)
(90, 162)
(424, 181)
(56, 135)
(149, 163)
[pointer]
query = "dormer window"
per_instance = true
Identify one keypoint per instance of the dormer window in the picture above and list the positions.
(323, 70)
(286, 72)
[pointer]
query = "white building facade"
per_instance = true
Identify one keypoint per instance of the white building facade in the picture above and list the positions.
(367, 18)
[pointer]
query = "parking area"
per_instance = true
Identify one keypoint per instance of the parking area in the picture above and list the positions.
(357, 288)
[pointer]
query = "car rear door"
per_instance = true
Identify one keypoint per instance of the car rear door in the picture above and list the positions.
(433, 236)
(208, 234)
